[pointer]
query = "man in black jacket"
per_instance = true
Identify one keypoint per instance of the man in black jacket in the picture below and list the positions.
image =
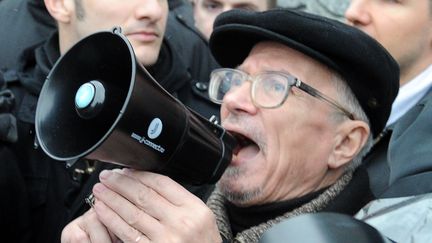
(304, 96)
(50, 195)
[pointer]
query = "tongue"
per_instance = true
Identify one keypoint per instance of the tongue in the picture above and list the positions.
(248, 152)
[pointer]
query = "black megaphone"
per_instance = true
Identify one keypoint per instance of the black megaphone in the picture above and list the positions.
(99, 103)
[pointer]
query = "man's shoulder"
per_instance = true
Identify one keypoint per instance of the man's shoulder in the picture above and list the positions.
(183, 36)
(18, 15)
(418, 116)
(399, 163)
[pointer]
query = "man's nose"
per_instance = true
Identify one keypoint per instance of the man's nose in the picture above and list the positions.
(239, 99)
(357, 13)
(150, 9)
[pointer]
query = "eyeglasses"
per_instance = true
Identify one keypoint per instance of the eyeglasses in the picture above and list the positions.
(269, 89)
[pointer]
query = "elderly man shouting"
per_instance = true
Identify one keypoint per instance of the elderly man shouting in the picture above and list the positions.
(305, 96)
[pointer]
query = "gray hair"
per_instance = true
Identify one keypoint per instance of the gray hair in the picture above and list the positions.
(347, 98)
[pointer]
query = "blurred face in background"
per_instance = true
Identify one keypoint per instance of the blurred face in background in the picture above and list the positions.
(206, 11)
(403, 27)
(143, 22)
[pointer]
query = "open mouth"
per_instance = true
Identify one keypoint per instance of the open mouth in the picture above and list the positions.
(246, 148)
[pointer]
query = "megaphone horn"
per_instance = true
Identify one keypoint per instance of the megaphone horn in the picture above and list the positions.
(98, 102)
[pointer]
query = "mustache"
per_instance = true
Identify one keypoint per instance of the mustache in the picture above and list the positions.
(248, 127)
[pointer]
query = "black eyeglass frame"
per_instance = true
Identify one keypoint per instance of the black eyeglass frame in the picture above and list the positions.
(297, 83)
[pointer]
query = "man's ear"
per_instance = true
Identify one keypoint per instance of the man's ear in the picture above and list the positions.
(60, 10)
(350, 139)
